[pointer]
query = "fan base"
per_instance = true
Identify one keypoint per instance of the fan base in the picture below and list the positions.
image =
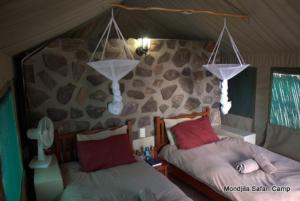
(34, 163)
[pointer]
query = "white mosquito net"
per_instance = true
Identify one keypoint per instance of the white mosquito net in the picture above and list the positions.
(225, 71)
(113, 69)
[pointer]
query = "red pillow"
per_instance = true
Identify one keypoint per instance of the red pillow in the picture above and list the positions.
(194, 133)
(99, 154)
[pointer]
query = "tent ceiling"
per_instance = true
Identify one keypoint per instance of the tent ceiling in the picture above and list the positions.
(274, 25)
(25, 24)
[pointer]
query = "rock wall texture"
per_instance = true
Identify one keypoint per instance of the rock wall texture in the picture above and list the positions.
(169, 80)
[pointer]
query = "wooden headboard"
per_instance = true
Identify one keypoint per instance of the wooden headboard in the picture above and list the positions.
(66, 143)
(161, 138)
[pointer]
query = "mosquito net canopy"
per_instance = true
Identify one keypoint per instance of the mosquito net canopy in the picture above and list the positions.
(113, 69)
(225, 71)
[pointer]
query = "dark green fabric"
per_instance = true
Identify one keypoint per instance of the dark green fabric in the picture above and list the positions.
(10, 153)
(241, 91)
(285, 100)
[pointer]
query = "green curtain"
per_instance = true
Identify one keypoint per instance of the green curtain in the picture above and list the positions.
(10, 153)
(241, 91)
(285, 100)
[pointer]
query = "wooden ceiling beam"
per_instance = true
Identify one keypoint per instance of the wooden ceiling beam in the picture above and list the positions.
(182, 11)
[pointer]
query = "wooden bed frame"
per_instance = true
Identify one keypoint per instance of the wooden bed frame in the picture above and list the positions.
(161, 140)
(66, 143)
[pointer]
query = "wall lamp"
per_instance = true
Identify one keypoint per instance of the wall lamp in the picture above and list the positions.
(143, 46)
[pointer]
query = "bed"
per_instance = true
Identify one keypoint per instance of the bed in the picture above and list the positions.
(119, 183)
(210, 168)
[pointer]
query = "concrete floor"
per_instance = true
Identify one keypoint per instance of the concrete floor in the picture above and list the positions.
(190, 192)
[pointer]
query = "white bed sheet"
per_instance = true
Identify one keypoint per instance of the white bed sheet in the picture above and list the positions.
(213, 164)
(121, 183)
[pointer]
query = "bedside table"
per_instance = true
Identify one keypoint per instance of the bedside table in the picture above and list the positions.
(162, 168)
(48, 182)
(223, 130)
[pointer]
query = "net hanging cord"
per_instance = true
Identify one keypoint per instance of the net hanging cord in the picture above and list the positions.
(125, 44)
(107, 33)
(213, 56)
(105, 43)
(236, 50)
(99, 42)
(216, 48)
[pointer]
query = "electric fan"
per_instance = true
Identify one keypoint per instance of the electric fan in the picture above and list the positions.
(44, 134)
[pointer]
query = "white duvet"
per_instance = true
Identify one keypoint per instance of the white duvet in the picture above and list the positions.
(213, 164)
(121, 183)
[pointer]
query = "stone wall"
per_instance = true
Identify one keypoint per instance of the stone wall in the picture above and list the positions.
(169, 80)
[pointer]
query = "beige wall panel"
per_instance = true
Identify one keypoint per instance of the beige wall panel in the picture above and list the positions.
(238, 121)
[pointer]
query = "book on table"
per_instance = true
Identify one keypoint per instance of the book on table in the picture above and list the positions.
(154, 162)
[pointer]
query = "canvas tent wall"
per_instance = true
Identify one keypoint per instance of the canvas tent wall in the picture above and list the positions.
(280, 139)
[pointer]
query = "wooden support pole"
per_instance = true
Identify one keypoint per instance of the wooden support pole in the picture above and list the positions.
(182, 11)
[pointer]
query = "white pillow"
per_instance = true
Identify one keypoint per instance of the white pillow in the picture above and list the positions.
(102, 134)
(169, 123)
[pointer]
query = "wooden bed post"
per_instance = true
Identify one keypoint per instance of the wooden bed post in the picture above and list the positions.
(157, 132)
(130, 133)
(207, 110)
(57, 146)
(160, 140)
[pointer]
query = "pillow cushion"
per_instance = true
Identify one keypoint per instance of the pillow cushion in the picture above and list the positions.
(194, 133)
(102, 134)
(169, 123)
(99, 154)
